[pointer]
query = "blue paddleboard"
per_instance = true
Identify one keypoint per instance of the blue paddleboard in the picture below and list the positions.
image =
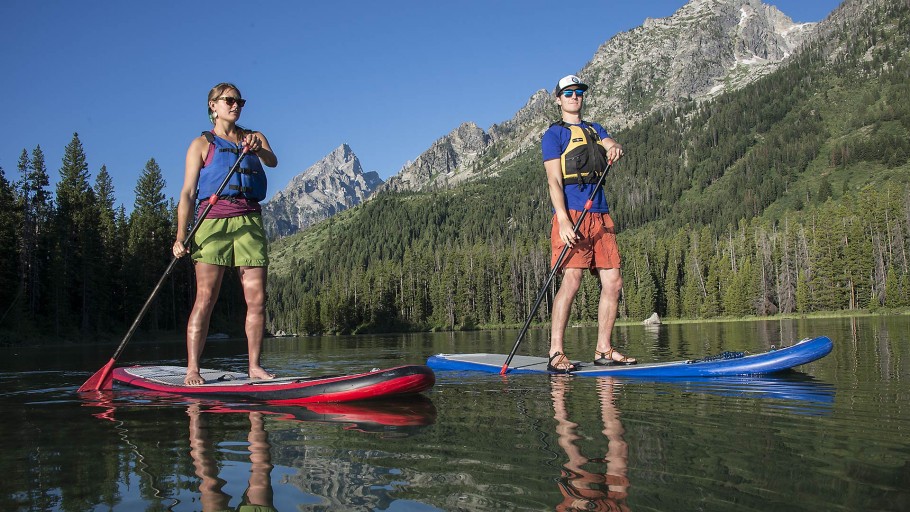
(726, 364)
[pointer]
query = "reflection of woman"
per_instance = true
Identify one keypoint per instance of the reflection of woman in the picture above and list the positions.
(582, 489)
(232, 235)
(258, 496)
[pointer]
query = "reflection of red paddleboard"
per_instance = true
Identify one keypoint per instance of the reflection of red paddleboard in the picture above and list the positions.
(398, 413)
(370, 416)
(401, 380)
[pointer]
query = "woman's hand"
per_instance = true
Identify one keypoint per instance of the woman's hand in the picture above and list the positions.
(253, 142)
(256, 143)
(179, 250)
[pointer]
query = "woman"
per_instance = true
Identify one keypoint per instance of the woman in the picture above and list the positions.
(231, 235)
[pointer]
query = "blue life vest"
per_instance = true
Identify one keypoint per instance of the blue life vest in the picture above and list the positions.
(249, 182)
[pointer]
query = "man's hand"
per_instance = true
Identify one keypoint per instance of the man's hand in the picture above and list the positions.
(614, 152)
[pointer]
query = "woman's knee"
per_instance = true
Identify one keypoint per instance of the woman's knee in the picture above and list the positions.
(255, 299)
(205, 300)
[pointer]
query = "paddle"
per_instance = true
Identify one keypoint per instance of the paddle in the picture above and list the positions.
(102, 379)
(562, 255)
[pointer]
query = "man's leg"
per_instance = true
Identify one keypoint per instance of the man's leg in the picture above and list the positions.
(562, 304)
(610, 287)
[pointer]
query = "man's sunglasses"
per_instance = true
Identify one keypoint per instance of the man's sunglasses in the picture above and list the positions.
(568, 93)
(230, 100)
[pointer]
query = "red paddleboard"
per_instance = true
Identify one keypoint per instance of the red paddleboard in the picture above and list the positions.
(401, 380)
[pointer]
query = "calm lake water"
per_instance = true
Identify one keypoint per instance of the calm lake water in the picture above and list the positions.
(833, 435)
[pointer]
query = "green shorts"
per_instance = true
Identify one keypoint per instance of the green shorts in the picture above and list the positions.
(232, 242)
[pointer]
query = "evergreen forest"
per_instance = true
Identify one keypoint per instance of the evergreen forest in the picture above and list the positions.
(80, 267)
(789, 196)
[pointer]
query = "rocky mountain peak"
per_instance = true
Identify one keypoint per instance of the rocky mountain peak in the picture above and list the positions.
(333, 184)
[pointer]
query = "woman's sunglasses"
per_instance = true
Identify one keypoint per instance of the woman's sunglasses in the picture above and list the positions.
(230, 100)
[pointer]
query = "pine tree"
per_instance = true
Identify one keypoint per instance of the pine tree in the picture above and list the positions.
(647, 294)
(893, 290)
(785, 288)
(828, 284)
(35, 207)
(76, 262)
(803, 296)
(711, 306)
(26, 249)
(10, 291)
(150, 232)
(824, 190)
(109, 288)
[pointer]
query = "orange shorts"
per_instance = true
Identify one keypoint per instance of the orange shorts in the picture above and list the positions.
(596, 245)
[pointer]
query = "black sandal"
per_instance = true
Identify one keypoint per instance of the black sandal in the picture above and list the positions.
(561, 360)
(606, 359)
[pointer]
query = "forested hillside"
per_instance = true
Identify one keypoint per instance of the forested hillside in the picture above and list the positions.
(790, 195)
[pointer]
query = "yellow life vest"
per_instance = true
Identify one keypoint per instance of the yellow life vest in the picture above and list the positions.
(585, 158)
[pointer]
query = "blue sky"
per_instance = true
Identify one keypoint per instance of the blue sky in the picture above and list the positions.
(386, 77)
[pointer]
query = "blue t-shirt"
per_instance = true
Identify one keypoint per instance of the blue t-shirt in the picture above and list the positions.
(555, 140)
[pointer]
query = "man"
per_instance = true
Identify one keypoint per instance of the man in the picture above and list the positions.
(575, 153)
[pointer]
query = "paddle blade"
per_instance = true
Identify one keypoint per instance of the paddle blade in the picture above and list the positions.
(102, 379)
(505, 368)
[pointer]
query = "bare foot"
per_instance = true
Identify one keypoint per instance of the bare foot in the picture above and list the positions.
(260, 373)
(193, 378)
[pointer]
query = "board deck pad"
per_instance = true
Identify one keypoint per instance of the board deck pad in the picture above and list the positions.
(174, 375)
(727, 364)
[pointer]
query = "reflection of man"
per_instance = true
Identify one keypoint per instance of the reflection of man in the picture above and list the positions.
(582, 489)
(258, 496)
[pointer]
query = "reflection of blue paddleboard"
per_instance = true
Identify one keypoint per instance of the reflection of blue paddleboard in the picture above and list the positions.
(726, 364)
(793, 386)
(386, 383)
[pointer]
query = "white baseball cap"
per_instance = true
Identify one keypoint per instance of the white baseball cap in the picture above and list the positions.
(568, 81)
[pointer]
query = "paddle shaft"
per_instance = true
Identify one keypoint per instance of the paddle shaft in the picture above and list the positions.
(101, 379)
(543, 290)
